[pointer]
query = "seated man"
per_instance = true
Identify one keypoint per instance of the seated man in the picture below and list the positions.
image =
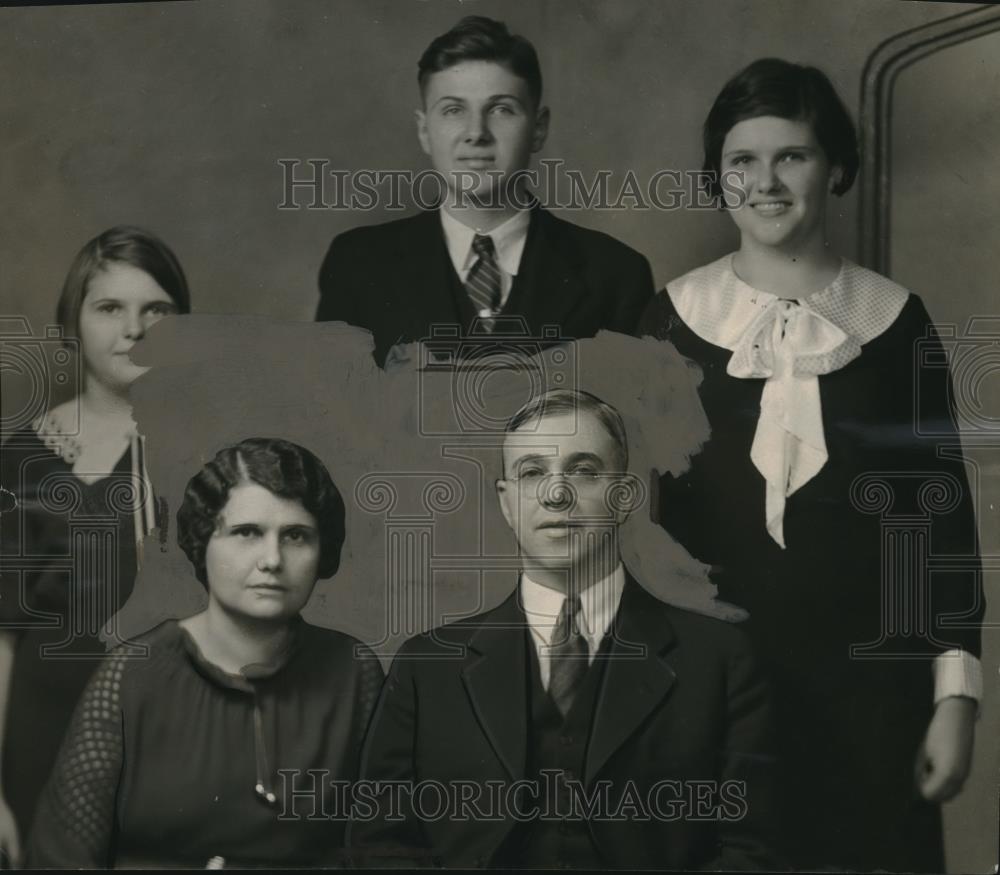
(582, 723)
(484, 253)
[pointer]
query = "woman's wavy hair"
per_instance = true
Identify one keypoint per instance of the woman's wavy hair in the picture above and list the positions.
(281, 467)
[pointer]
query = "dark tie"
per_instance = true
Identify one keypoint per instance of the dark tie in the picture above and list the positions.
(483, 282)
(568, 656)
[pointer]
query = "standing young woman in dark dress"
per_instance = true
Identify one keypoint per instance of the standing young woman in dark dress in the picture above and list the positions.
(60, 584)
(223, 743)
(811, 383)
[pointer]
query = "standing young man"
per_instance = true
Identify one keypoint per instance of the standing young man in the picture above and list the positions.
(487, 251)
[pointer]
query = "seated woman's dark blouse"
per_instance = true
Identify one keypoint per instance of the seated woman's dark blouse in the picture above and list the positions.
(169, 761)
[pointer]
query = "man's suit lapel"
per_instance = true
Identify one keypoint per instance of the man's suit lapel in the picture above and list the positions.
(549, 283)
(425, 276)
(495, 680)
(636, 678)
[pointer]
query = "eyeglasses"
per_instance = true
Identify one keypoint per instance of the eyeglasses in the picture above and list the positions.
(579, 480)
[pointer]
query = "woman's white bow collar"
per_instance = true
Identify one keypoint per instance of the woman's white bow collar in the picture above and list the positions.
(788, 344)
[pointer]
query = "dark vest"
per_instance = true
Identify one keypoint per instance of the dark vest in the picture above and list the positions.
(557, 749)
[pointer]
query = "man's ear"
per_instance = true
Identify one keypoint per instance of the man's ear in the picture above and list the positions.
(836, 176)
(421, 119)
(541, 129)
(506, 497)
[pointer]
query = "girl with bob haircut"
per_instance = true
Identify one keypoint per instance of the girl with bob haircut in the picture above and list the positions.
(204, 751)
(121, 245)
(821, 423)
(83, 458)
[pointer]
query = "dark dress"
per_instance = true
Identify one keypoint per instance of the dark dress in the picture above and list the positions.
(168, 759)
(61, 530)
(849, 727)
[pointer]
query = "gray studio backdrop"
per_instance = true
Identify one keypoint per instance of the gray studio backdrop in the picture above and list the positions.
(175, 115)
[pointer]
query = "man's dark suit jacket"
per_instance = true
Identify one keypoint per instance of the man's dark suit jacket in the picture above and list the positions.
(690, 707)
(397, 280)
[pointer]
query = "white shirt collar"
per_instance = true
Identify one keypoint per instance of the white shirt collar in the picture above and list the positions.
(598, 607)
(508, 240)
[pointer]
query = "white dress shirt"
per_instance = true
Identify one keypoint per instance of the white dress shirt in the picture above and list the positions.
(598, 607)
(508, 241)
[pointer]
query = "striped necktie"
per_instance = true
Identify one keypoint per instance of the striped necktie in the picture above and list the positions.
(483, 282)
(568, 656)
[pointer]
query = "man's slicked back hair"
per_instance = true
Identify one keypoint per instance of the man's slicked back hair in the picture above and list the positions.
(574, 401)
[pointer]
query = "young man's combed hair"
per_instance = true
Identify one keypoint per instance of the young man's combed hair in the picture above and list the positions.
(477, 38)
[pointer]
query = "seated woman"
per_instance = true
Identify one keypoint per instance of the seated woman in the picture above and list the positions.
(822, 421)
(78, 462)
(221, 742)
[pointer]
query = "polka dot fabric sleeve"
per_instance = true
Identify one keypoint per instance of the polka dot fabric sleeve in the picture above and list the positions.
(75, 824)
(371, 677)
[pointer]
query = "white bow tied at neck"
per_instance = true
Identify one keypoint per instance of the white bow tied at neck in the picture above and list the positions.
(789, 345)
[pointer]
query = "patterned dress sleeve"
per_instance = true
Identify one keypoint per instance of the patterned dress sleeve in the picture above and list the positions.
(370, 679)
(384, 839)
(76, 821)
